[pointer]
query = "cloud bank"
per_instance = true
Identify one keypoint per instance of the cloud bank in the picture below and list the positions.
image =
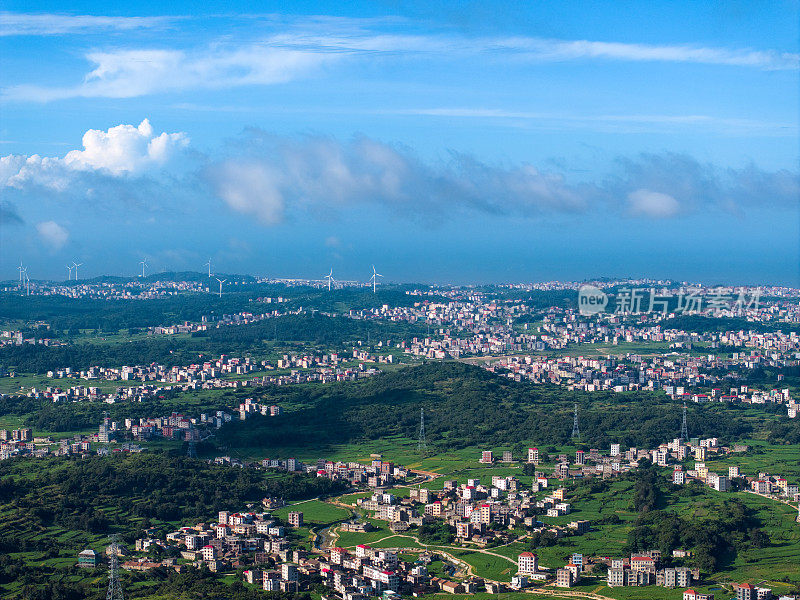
(275, 179)
(272, 176)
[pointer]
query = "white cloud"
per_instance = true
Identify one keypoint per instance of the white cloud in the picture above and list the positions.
(59, 24)
(251, 188)
(656, 205)
(52, 234)
(537, 49)
(317, 175)
(122, 150)
(19, 172)
(125, 149)
(132, 73)
(273, 179)
(631, 122)
(561, 50)
(298, 48)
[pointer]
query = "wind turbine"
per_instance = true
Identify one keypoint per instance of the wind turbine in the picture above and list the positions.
(208, 264)
(330, 279)
(144, 264)
(373, 278)
(27, 280)
(221, 281)
(21, 270)
(75, 266)
(69, 272)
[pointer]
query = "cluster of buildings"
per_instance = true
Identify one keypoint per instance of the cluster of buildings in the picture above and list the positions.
(645, 569)
(223, 373)
(78, 445)
(377, 474)
(477, 513)
(682, 377)
(17, 338)
(132, 289)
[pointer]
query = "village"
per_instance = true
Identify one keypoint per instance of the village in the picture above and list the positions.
(224, 372)
(483, 514)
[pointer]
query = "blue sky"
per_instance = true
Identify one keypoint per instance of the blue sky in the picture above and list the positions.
(461, 142)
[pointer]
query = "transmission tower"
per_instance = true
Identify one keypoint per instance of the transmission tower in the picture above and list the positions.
(114, 585)
(684, 428)
(422, 445)
(191, 452)
(576, 433)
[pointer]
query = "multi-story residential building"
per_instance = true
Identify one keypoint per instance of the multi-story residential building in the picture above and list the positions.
(527, 563)
(565, 578)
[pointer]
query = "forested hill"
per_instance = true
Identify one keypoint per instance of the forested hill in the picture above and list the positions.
(468, 406)
(253, 339)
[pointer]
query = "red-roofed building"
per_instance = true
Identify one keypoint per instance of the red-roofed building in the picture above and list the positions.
(745, 591)
(643, 563)
(527, 563)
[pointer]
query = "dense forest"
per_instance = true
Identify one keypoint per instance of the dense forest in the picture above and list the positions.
(126, 492)
(468, 406)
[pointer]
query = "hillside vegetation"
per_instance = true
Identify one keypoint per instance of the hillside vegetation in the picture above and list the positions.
(468, 406)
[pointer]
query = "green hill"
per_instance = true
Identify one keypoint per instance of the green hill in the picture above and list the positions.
(468, 406)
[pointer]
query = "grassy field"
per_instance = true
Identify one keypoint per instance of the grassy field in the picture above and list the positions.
(349, 539)
(315, 512)
(486, 565)
(762, 457)
(779, 560)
